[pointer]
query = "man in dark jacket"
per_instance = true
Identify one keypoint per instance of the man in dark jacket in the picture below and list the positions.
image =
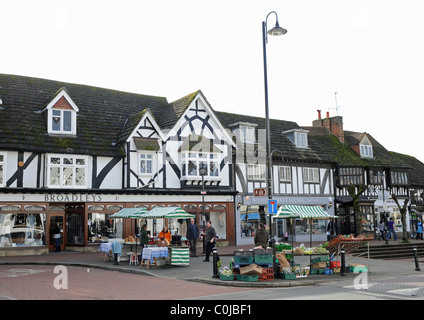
(192, 235)
(210, 237)
(261, 237)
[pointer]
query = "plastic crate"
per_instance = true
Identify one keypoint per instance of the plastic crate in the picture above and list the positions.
(320, 259)
(238, 260)
(316, 271)
(267, 274)
(287, 276)
(263, 259)
(243, 254)
(335, 264)
(247, 278)
(226, 278)
(262, 252)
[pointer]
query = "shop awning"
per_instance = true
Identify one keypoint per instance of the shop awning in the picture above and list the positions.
(302, 212)
(167, 212)
(129, 213)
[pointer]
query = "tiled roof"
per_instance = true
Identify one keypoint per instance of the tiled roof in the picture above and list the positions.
(101, 119)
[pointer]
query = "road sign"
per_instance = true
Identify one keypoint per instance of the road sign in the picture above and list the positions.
(272, 207)
(259, 192)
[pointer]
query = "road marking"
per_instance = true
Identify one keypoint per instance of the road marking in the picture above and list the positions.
(13, 273)
(412, 292)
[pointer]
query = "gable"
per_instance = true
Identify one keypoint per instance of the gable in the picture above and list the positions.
(365, 141)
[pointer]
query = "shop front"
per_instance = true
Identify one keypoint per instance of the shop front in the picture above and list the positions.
(27, 220)
(252, 210)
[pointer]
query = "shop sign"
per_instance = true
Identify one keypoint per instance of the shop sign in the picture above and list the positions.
(259, 192)
(72, 197)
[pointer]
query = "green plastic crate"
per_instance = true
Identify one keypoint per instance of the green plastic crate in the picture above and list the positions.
(288, 276)
(319, 259)
(316, 271)
(263, 259)
(226, 278)
(243, 260)
(247, 277)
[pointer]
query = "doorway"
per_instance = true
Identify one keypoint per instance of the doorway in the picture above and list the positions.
(57, 219)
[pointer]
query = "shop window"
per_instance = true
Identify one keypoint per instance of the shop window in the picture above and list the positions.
(2, 169)
(67, 171)
(101, 227)
(22, 229)
(368, 218)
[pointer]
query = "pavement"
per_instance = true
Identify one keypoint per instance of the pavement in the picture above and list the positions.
(199, 271)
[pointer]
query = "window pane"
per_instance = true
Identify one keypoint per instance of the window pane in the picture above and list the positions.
(68, 176)
(80, 162)
(143, 166)
(54, 176)
(149, 164)
(1, 158)
(56, 120)
(213, 169)
(203, 168)
(192, 168)
(80, 176)
(1, 174)
(68, 161)
(55, 160)
(67, 121)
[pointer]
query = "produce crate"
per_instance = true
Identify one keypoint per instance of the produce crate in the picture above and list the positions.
(226, 278)
(238, 260)
(252, 269)
(287, 276)
(262, 252)
(267, 274)
(319, 265)
(335, 264)
(263, 259)
(247, 277)
(281, 247)
(320, 259)
(236, 272)
(243, 254)
(316, 271)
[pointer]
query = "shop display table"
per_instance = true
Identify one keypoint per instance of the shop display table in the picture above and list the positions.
(150, 254)
(180, 256)
(106, 251)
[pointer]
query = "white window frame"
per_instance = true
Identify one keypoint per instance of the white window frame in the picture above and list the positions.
(3, 164)
(198, 158)
(62, 121)
(285, 173)
(366, 151)
(311, 175)
(144, 156)
(256, 172)
(63, 166)
(247, 134)
(301, 139)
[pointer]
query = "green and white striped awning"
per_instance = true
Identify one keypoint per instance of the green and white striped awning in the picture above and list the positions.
(129, 213)
(302, 212)
(167, 212)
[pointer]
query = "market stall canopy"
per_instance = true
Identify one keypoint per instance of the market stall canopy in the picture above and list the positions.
(167, 212)
(302, 212)
(129, 213)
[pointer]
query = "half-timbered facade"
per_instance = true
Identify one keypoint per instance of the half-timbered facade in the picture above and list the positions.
(73, 155)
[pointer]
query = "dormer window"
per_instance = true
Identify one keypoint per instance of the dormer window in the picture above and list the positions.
(298, 137)
(62, 115)
(245, 131)
(366, 151)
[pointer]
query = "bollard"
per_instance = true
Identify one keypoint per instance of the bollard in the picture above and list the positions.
(343, 262)
(417, 266)
(215, 263)
(386, 231)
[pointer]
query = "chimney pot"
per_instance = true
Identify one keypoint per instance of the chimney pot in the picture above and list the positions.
(319, 114)
(328, 114)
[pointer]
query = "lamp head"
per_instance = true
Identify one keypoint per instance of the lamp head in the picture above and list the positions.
(277, 30)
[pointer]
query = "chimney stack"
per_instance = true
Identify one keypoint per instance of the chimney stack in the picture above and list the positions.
(333, 124)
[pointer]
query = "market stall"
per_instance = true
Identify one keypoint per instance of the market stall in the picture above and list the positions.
(178, 251)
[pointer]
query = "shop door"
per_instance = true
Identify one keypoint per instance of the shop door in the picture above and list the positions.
(57, 219)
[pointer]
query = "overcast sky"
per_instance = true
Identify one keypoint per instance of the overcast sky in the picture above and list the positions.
(370, 52)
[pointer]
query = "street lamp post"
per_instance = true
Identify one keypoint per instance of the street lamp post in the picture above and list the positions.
(276, 31)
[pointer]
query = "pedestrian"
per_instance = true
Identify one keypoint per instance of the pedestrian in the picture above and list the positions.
(56, 237)
(391, 226)
(419, 230)
(144, 238)
(192, 235)
(332, 229)
(261, 236)
(381, 230)
(210, 237)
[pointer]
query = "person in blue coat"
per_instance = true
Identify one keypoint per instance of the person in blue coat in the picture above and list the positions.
(192, 235)
(419, 230)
